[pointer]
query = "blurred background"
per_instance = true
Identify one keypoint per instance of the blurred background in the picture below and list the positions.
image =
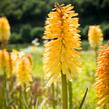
(27, 17)
(27, 20)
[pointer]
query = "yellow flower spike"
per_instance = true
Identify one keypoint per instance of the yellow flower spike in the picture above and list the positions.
(15, 58)
(61, 53)
(4, 29)
(102, 81)
(95, 36)
(23, 71)
(5, 63)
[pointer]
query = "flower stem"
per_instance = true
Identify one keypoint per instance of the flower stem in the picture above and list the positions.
(5, 92)
(53, 92)
(95, 50)
(64, 92)
(20, 99)
(70, 94)
(106, 106)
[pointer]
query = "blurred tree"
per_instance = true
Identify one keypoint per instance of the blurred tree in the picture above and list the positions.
(34, 12)
(37, 32)
(25, 33)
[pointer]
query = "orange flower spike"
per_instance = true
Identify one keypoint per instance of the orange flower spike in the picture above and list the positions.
(102, 81)
(6, 63)
(23, 71)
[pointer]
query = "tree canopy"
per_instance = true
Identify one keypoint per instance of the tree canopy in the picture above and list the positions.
(27, 17)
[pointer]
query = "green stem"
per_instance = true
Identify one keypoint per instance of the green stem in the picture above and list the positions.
(57, 92)
(70, 94)
(83, 100)
(64, 92)
(106, 106)
(24, 101)
(31, 104)
(20, 99)
(5, 92)
(5, 105)
(53, 92)
(95, 50)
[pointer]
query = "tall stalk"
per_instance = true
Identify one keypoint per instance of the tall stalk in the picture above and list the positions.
(20, 98)
(5, 92)
(106, 106)
(95, 50)
(70, 94)
(64, 92)
(5, 89)
(53, 93)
